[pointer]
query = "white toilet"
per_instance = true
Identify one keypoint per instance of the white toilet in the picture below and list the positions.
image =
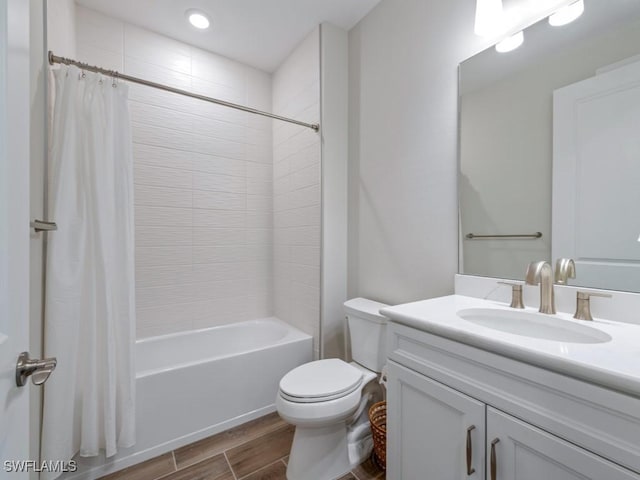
(328, 400)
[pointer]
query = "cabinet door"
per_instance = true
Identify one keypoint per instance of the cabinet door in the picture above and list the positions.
(432, 430)
(523, 452)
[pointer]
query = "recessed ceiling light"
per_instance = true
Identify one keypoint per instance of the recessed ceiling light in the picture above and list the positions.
(567, 14)
(510, 43)
(198, 19)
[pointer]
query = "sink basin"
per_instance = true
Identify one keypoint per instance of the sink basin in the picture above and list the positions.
(534, 325)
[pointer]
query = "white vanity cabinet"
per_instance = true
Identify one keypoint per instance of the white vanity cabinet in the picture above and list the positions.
(433, 431)
(517, 450)
(449, 402)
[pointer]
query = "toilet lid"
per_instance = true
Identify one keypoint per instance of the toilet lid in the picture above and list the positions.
(320, 380)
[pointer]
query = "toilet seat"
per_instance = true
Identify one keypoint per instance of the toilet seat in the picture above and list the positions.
(320, 381)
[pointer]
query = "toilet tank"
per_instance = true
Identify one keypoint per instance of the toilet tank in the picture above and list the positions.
(368, 332)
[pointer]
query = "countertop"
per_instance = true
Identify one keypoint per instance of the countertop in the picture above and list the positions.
(614, 364)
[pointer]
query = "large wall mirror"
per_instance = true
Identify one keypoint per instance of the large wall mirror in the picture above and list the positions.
(550, 150)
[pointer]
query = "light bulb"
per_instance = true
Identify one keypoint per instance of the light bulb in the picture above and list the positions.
(488, 17)
(198, 19)
(510, 43)
(567, 14)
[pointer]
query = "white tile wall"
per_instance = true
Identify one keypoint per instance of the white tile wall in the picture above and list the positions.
(203, 179)
(296, 189)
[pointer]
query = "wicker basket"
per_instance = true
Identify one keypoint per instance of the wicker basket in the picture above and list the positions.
(378, 419)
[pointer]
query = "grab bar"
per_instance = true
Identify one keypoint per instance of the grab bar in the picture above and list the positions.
(42, 226)
(473, 236)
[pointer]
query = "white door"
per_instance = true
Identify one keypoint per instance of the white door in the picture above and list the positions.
(519, 451)
(433, 431)
(596, 178)
(14, 231)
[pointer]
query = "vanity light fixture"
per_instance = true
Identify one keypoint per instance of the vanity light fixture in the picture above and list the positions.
(510, 43)
(489, 17)
(198, 19)
(567, 14)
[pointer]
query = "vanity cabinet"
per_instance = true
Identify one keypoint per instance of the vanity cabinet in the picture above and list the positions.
(458, 412)
(432, 428)
(524, 452)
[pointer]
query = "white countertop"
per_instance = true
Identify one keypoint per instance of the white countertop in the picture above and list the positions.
(614, 364)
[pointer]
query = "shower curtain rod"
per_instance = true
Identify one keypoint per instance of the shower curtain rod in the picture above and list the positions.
(112, 73)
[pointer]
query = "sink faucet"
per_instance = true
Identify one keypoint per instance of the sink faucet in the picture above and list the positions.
(541, 273)
(565, 269)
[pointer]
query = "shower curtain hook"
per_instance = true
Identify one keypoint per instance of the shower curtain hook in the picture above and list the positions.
(115, 79)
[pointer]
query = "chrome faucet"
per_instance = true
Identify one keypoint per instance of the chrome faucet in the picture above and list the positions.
(541, 273)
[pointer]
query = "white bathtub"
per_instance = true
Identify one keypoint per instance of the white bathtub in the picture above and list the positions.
(195, 384)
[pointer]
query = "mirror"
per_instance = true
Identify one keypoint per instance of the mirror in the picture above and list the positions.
(549, 161)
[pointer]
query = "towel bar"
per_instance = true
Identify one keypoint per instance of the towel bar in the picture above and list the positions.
(472, 236)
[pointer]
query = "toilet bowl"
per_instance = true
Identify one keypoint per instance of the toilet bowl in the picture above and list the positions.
(327, 401)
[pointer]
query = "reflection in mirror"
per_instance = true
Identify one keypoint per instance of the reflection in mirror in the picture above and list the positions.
(550, 143)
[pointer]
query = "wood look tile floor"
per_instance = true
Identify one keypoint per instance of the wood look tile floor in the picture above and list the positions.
(257, 450)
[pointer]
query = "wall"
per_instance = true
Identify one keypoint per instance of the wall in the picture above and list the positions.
(203, 179)
(296, 186)
(403, 132)
(334, 83)
(61, 27)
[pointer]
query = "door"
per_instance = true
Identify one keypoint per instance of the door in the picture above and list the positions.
(519, 451)
(434, 431)
(596, 174)
(14, 231)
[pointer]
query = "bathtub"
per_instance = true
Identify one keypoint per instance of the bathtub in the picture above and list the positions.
(195, 384)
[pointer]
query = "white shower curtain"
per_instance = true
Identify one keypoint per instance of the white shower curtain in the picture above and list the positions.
(89, 402)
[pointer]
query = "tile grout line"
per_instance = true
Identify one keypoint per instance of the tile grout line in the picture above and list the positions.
(209, 456)
(262, 468)
(175, 464)
(268, 430)
(233, 473)
(166, 475)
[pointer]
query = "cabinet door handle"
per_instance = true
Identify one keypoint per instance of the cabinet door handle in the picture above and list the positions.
(494, 466)
(470, 469)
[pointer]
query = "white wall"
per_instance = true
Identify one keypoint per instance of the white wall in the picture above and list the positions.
(334, 47)
(296, 184)
(203, 179)
(61, 27)
(403, 132)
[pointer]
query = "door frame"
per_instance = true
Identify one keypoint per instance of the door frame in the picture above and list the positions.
(14, 226)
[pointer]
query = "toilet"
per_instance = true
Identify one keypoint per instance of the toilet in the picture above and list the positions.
(328, 400)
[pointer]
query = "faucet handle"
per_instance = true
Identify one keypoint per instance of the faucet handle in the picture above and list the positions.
(516, 294)
(583, 305)
(565, 269)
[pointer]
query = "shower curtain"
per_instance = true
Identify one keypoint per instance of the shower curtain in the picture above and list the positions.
(89, 403)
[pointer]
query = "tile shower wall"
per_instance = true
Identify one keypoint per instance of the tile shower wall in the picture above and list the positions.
(296, 188)
(203, 181)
